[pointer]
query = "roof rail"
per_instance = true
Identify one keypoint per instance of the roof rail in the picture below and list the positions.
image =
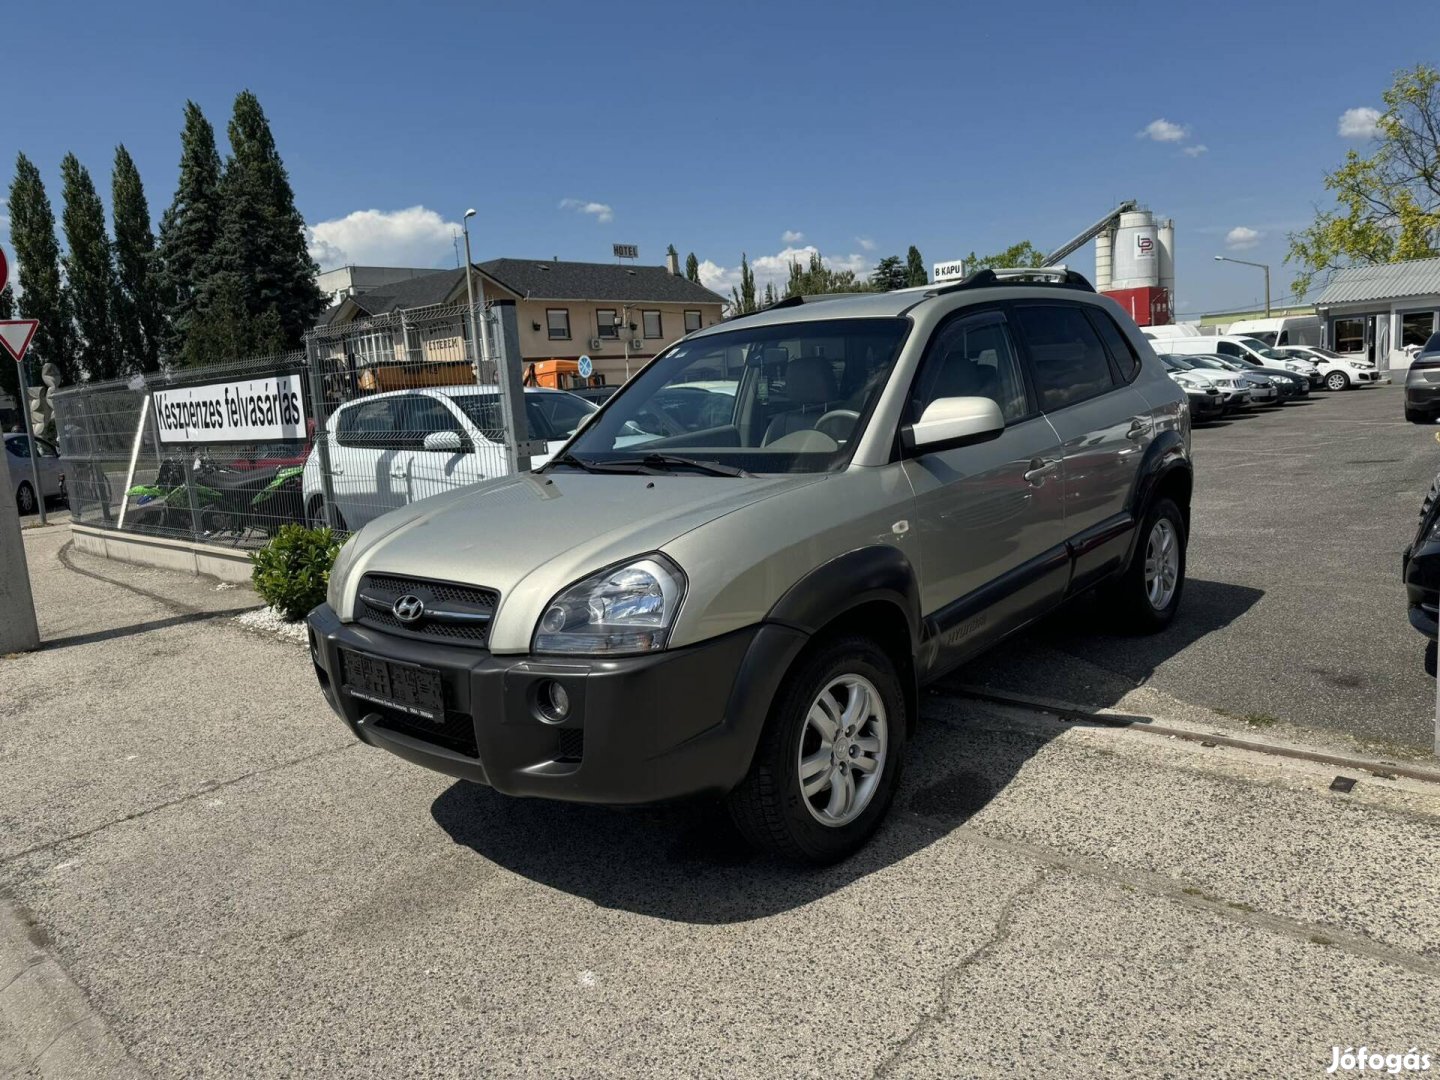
(1054, 276)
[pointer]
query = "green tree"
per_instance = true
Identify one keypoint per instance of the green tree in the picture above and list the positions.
(43, 294)
(1387, 203)
(261, 254)
(222, 329)
(189, 230)
(814, 278)
(770, 296)
(692, 268)
(139, 317)
(9, 377)
(1022, 254)
(915, 273)
(742, 299)
(90, 273)
(889, 274)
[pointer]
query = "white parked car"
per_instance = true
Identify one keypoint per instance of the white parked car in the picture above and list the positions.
(48, 464)
(388, 450)
(1337, 372)
(1234, 390)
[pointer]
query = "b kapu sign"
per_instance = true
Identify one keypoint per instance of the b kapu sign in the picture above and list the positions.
(249, 410)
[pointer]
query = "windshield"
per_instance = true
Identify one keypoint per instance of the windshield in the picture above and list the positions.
(1318, 350)
(767, 399)
(1208, 362)
(1173, 363)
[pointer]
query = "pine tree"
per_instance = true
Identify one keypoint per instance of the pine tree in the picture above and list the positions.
(262, 251)
(189, 230)
(915, 273)
(9, 377)
(89, 273)
(139, 318)
(43, 294)
(692, 268)
(770, 296)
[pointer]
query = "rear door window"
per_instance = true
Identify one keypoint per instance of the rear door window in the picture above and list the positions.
(370, 425)
(1067, 357)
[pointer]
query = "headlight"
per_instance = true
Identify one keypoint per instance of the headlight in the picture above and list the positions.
(334, 591)
(626, 609)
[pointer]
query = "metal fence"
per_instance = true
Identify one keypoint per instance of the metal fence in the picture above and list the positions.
(396, 408)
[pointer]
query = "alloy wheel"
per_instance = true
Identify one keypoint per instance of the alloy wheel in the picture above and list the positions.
(25, 499)
(1336, 381)
(1162, 563)
(842, 750)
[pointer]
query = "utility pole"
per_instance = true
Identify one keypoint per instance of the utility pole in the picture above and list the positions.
(476, 347)
(1262, 266)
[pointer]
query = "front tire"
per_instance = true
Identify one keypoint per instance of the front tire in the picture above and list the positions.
(1337, 380)
(1148, 594)
(25, 498)
(1418, 416)
(830, 755)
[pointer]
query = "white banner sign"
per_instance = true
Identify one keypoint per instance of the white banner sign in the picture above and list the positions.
(251, 410)
(953, 270)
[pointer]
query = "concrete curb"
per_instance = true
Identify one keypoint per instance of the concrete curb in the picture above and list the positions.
(202, 560)
(48, 1027)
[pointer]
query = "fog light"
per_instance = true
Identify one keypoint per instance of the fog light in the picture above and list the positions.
(554, 701)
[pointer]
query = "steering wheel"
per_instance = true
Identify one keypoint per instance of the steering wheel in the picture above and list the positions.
(842, 420)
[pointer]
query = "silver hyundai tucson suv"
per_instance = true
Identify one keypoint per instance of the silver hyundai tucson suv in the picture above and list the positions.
(738, 589)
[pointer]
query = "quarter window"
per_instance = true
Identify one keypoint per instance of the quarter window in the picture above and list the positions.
(1121, 351)
(692, 321)
(1066, 353)
(972, 357)
(651, 321)
(557, 322)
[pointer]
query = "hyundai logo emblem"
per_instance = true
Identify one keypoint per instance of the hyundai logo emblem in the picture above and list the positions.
(408, 608)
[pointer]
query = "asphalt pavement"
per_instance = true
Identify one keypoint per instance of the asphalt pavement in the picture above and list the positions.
(204, 875)
(1294, 612)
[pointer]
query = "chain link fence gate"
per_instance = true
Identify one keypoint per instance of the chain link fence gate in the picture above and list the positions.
(397, 408)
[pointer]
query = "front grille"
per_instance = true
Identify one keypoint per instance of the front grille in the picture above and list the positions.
(456, 733)
(379, 591)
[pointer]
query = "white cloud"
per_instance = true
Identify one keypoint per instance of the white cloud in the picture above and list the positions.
(1163, 130)
(775, 269)
(1359, 123)
(792, 236)
(599, 210)
(1242, 238)
(1196, 150)
(866, 244)
(414, 236)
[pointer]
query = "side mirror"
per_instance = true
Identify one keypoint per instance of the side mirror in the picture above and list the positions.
(951, 422)
(585, 420)
(444, 442)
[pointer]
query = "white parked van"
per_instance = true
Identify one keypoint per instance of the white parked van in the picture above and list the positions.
(1170, 330)
(1281, 330)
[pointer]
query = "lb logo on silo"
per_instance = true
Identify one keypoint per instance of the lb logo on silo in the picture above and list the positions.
(1144, 247)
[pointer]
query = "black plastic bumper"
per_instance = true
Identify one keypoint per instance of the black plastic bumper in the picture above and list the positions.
(1205, 406)
(640, 729)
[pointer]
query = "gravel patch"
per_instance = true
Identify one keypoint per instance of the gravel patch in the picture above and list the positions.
(271, 622)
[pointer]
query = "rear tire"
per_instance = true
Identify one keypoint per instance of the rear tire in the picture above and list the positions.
(1337, 380)
(1148, 594)
(1417, 416)
(315, 516)
(816, 799)
(25, 498)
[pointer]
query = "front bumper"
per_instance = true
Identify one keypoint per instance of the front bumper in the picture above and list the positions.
(1205, 406)
(641, 729)
(1264, 395)
(1235, 399)
(1420, 570)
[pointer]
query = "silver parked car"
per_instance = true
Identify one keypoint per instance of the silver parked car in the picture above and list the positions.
(748, 606)
(48, 466)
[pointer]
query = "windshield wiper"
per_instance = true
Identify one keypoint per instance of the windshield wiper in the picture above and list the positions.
(664, 461)
(568, 458)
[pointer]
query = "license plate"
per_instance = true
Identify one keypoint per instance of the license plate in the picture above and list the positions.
(405, 687)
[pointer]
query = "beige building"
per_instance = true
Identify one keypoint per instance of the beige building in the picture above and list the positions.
(617, 314)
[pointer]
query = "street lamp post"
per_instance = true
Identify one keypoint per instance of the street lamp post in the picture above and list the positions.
(475, 350)
(1262, 266)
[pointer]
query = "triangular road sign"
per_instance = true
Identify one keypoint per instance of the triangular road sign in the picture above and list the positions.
(16, 335)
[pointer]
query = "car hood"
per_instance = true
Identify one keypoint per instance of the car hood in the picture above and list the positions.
(529, 536)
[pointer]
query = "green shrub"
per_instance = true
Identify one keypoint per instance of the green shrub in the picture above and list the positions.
(292, 571)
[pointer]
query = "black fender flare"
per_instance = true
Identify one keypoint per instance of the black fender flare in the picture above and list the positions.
(848, 581)
(1166, 455)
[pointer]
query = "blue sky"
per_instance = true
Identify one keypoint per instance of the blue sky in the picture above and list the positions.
(863, 128)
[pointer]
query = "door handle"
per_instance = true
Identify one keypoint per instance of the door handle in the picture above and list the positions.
(1039, 469)
(1139, 427)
